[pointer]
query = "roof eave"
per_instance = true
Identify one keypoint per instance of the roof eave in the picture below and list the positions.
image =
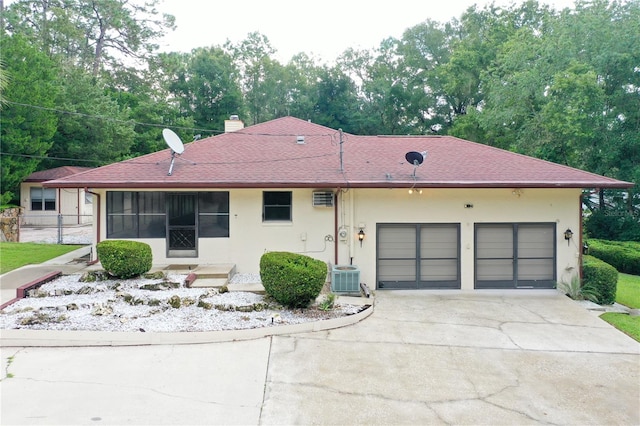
(342, 184)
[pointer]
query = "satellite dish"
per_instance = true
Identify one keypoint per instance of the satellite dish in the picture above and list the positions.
(173, 141)
(416, 158)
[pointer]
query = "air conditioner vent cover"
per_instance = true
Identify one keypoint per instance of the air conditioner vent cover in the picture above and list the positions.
(322, 199)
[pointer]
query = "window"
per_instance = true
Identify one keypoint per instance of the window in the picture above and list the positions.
(276, 206)
(135, 214)
(213, 214)
(43, 199)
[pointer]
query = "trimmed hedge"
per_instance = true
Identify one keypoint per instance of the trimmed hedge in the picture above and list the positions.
(600, 276)
(294, 280)
(124, 259)
(624, 256)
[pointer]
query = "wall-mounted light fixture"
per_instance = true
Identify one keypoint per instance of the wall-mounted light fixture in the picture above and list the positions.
(361, 236)
(568, 234)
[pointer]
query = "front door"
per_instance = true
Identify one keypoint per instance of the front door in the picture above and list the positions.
(182, 234)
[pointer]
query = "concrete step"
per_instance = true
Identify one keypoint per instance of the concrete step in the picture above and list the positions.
(209, 282)
(226, 271)
(250, 287)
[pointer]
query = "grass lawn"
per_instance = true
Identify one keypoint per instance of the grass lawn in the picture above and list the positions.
(15, 255)
(628, 294)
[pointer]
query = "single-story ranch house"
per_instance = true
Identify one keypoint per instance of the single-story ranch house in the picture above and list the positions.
(411, 212)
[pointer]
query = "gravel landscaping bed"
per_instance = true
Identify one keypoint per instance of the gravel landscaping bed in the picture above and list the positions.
(152, 305)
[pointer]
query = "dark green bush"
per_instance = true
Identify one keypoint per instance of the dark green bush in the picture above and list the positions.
(613, 224)
(294, 280)
(124, 259)
(600, 276)
(624, 256)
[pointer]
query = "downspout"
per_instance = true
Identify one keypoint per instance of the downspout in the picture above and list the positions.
(335, 227)
(97, 220)
(78, 208)
(580, 242)
(352, 228)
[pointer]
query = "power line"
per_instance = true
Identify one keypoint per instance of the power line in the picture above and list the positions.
(140, 123)
(216, 163)
(42, 157)
(115, 120)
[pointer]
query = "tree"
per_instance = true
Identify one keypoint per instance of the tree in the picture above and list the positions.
(252, 57)
(27, 122)
(92, 128)
(204, 85)
(94, 34)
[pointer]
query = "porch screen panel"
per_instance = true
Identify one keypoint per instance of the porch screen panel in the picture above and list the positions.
(213, 214)
(536, 254)
(122, 220)
(494, 252)
(397, 253)
(152, 218)
(439, 253)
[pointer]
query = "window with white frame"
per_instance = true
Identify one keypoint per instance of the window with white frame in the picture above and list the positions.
(276, 206)
(43, 199)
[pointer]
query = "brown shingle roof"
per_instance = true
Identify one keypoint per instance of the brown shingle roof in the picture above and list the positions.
(268, 155)
(56, 173)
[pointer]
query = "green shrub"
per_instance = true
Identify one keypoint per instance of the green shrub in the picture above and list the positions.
(613, 224)
(577, 291)
(293, 280)
(601, 277)
(124, 259)
(624, 256)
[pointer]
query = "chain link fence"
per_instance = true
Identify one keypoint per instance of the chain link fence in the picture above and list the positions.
(56, 229)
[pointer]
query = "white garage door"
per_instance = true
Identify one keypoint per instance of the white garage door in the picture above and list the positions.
(515, 255)
(411, 256)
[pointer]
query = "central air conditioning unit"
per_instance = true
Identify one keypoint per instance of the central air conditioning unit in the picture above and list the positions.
(345, 279)
(322, 199)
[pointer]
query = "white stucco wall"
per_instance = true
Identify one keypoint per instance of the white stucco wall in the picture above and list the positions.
(70, 203)
(312, 228)
(250, 237)
(371, 207)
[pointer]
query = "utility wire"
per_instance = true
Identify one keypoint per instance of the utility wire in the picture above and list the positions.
(139, 123)
(115, 120)
(218, 163)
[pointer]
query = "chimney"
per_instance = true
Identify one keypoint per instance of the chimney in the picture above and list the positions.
(233, 124)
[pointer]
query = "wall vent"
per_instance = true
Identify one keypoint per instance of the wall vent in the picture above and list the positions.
(322, 199)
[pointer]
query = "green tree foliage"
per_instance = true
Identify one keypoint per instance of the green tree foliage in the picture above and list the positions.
(93, 35)
(92, 128)
(25, 133)
(204, 85)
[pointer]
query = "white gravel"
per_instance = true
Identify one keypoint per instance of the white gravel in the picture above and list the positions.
(122, 305)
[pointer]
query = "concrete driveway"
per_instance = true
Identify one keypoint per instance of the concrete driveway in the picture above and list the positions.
(519, 357)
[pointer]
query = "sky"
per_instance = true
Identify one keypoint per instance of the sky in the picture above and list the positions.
(323, 29)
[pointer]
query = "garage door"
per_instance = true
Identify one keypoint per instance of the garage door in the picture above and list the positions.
(515, 255)
(411, 256)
